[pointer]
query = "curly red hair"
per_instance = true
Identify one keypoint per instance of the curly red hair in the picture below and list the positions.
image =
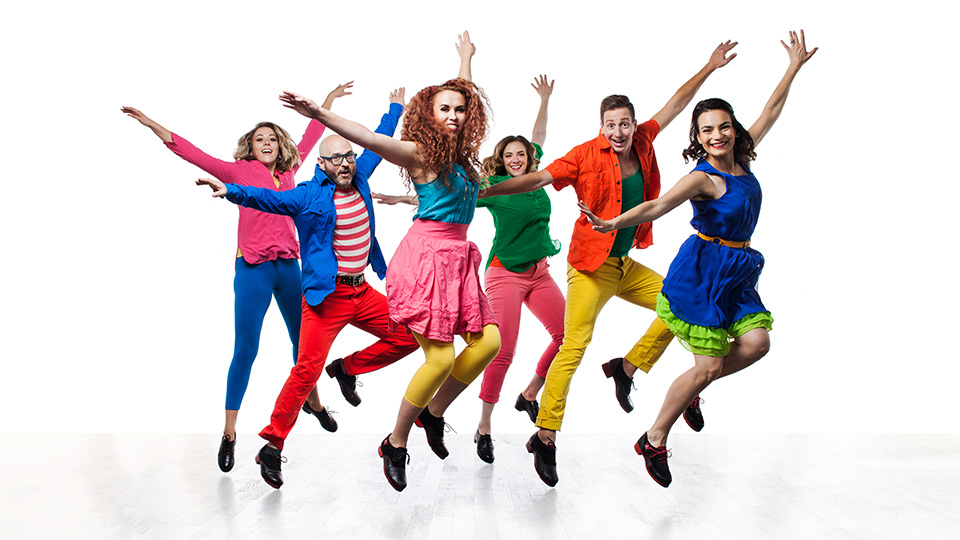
(438, 149)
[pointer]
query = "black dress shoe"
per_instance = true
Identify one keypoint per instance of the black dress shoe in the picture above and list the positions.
(544, 459)
(225, 455)
(484, 446)
(655, 459)
(323, 415)
(434, 427)
(269, 459)
(532, 408)
(693, 415)
(622, 383)
(394, 464)
(348, 383)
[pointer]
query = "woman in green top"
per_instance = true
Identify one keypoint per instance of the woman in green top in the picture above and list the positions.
(517, 271)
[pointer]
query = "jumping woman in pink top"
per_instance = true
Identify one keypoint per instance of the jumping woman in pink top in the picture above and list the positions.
(267, 249)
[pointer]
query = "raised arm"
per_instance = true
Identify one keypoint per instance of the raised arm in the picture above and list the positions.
(695, 184)
(465, 48)
(519, 184)
(402, 153)
(159, 130)
(285, 203)
(540, 124)
(797, 49)
(369, 160)
(682, 97)
(340, 91)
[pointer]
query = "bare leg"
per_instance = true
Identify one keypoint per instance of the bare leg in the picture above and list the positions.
(547, 435)
(745, 350)
(486, 412)
(230, 425)
(405, 418)
(313, 399)
(533, 388)
(683, 390)
(629, 369)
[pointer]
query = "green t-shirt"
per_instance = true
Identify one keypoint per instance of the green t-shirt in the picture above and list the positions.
(522, 223)
(632, 196)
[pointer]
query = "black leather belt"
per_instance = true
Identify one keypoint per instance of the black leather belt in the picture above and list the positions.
(354, 281)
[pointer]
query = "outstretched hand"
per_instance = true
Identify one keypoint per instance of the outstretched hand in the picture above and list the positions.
(219, 190)
(393, 199)
(341, 90)
(465, 47)
(540, 85)
(797, 49)
(137, 115)
(301, 104)
(719, 57)
(599, 225)
(397, 96)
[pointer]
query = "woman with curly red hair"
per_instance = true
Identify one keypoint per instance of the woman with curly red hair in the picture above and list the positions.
(433, 284)
(517, 272)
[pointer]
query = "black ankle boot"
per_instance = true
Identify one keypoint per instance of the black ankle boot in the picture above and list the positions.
(693, 415)
(484, 446)
(323, 415)
(532, 408)
(394, 464)
(225, 455)
(270, 459)
(348, 383)
(655, 459)
(544, 459)
(622, 384)
(434, 427)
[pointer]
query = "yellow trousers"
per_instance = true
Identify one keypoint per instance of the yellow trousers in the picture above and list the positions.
(442, 361)
(587, 293)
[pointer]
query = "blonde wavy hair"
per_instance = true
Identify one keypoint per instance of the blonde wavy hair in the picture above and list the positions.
(289, 156)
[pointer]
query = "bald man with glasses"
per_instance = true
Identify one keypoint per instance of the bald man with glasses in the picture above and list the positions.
(334, 218)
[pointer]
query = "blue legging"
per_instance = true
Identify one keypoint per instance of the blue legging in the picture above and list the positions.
(253, 286)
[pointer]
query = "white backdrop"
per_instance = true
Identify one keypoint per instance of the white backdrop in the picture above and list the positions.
(117, 305)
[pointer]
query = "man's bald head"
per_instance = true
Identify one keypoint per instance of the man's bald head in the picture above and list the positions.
(336, 148)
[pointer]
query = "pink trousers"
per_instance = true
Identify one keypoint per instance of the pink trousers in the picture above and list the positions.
(507, 292)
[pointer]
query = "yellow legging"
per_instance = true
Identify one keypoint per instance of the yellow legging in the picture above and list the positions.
(442, 362)
(587, 293)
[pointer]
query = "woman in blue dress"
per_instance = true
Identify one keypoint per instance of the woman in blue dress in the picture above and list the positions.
(709, 298)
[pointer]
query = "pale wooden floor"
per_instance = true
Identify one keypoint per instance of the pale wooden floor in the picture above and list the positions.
(725, 486)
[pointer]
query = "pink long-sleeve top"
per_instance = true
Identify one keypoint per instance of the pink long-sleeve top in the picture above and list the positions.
(261, 237)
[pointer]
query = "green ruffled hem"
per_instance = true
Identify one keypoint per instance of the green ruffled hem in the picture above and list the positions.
(705, 340)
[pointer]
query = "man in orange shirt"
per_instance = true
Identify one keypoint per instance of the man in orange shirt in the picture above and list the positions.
(611, 174)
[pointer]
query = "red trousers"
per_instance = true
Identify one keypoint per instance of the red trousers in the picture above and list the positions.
(363, 307)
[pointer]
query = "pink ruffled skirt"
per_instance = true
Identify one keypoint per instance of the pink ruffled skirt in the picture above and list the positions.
(433, 282)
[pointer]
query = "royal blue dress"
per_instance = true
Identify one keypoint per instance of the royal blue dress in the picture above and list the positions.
(713, 285)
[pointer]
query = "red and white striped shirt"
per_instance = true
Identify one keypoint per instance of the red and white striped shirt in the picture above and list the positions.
(351, 236)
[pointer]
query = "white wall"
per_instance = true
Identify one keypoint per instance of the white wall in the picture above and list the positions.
(117, 292)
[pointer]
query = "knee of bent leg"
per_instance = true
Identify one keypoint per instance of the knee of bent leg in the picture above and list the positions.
(757, 345)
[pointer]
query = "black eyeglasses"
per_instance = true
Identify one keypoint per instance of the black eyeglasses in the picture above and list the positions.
(337, 159)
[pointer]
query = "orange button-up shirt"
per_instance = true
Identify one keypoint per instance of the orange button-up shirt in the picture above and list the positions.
(593, 170)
